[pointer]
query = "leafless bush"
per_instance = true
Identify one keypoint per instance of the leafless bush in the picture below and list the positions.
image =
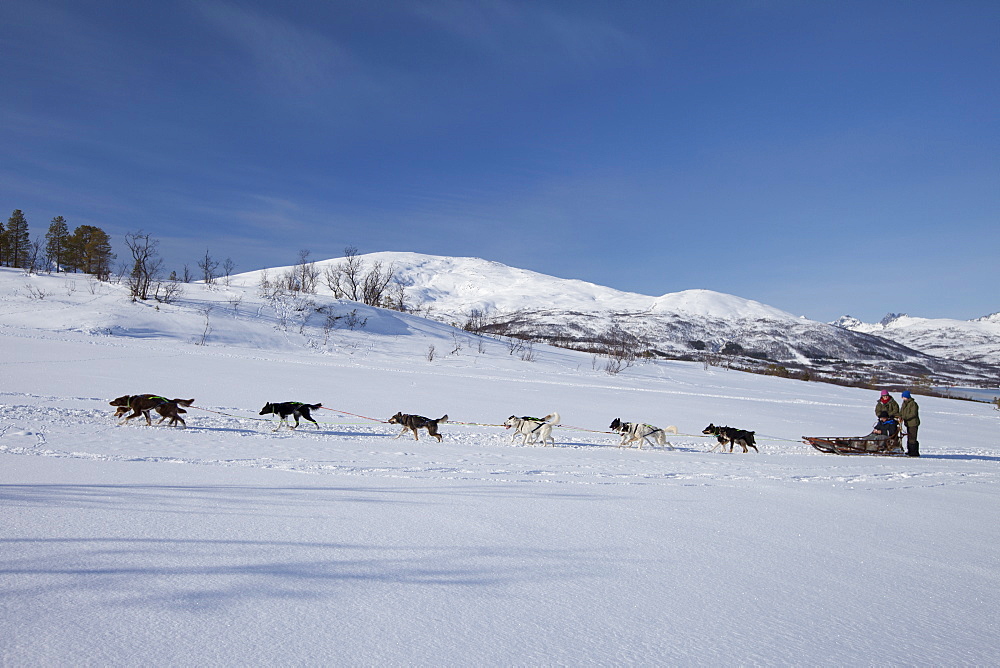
(206, 311)
(146, 263)
(349, 280)
(330, 321)
(208, 265)
(305, 275)
(167, 292)
(430, 353)
(476, 321)
(515, 345)
(620, 347)
(354, 321)
(227, 270)
(613, 366)
(35, 292)
(235, 302)
(264, 284)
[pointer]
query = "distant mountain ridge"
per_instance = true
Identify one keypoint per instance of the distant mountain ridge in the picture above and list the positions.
(681, 325)
(976, 340)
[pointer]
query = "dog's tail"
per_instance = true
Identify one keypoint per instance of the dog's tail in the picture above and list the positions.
(313, 407)
(442, 419)
(670, 430)
(552, 417)
(182, 402)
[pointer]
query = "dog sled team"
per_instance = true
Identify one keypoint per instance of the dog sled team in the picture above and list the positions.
(885, 438)
(531, 430)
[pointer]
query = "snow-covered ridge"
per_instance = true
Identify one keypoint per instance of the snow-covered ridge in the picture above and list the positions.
(975, 340)
(456, 285)
(674, 324)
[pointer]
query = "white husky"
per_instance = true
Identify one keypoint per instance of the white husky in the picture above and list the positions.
(637, 431)
(532, 429)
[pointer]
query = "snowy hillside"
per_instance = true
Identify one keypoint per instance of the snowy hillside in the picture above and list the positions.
(675, 325)
(231, 543)
(968, 340)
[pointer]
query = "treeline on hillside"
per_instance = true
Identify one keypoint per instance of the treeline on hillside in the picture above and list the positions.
(86, 249)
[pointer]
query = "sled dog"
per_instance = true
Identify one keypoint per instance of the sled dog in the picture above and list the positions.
(532, 429)
(295, 409)
(142, 404)
(731, 436)
(639, 432)
(415, 422)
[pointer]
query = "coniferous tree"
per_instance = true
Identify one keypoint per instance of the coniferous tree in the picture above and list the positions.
(3, 245)
(88, 250)
(17, 239)
(56, 240)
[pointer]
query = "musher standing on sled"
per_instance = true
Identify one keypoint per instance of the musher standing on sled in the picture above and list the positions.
(910, 415)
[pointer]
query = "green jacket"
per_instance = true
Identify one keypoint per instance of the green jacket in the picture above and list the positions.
(890, 407)
(910, 413)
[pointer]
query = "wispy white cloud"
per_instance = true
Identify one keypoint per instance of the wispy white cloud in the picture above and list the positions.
(287, 57)
(525, 31)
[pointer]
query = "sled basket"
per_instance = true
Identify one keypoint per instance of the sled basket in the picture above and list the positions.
(857, 445)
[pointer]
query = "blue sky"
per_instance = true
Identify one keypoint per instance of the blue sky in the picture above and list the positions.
(821, 157)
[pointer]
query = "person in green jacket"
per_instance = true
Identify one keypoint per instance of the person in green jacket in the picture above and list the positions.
(909, 413)
(888, 404)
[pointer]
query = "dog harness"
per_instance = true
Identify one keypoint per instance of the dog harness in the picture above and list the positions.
(163, 400)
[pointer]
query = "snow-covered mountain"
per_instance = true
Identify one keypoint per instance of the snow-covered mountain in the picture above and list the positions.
(687, 324)
(975, 340)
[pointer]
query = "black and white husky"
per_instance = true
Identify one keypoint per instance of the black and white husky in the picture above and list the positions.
(532, 429)
(286, 409)
(639, 432)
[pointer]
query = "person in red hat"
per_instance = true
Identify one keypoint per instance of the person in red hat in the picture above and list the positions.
(888, 404)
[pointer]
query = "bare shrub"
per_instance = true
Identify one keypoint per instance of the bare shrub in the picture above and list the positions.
(146, 263)
(350, 280)
(167, 292)
(35, 292)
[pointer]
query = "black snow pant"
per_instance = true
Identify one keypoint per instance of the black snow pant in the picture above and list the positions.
(912, 446)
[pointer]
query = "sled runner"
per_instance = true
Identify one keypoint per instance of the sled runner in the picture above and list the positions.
(857, 445)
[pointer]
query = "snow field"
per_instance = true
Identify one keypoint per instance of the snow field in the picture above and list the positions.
(228, 543)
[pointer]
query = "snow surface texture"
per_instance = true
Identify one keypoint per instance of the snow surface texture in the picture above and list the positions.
(229, 543)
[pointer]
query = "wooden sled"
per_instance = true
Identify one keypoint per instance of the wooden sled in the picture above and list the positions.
(857, 445)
